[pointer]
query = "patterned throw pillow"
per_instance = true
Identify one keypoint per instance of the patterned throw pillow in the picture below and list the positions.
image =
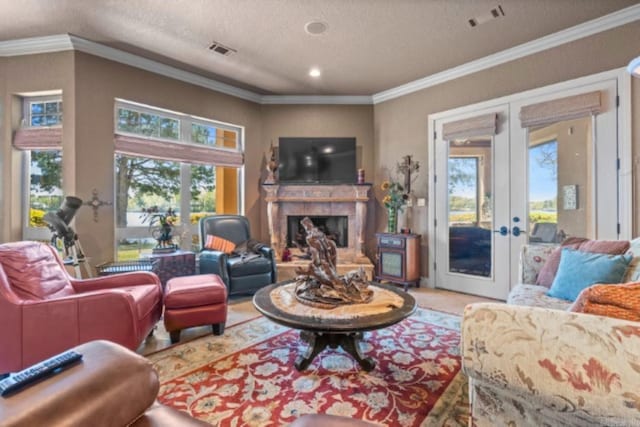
(550, 268)
(621, 301)
(579, 270)
(219, 244)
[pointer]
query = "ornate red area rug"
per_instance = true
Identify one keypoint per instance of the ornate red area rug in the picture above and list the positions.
(247, 377)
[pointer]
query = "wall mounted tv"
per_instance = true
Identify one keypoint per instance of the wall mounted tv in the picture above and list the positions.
(317, 160)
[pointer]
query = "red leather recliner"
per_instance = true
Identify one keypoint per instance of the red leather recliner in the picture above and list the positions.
(44, 311)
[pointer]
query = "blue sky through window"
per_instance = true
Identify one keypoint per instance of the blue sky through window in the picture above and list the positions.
(543, 171)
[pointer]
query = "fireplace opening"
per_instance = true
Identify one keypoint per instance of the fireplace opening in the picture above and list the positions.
(334, 227)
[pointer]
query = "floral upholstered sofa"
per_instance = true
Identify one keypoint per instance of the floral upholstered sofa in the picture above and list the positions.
(531, 362)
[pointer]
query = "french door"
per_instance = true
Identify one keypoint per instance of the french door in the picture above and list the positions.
(472, 207)
(515, 185)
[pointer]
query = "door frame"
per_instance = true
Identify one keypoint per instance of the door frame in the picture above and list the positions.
(624, 144)
(496, 285)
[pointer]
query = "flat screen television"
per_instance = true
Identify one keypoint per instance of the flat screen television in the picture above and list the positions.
(317, 160)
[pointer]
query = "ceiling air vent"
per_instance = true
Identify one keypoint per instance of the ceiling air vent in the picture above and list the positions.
(486, 17)
(221, 49)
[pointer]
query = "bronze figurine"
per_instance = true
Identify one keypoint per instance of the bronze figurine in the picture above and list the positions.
(319, 284)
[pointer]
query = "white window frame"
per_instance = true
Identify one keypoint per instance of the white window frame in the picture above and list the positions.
(185, 228)
(28, 232)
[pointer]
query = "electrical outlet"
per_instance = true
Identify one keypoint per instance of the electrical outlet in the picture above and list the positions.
(422, 201)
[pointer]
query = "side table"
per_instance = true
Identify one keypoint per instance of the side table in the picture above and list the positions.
(173, 264)
(398, 258)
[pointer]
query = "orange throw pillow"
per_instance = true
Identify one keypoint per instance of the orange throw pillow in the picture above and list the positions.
(621, 301)
(219, 244)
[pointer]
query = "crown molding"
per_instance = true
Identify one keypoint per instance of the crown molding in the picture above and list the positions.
(156, 67)
(65, 42)
(604, 23)
(317, 99)
(35, 45)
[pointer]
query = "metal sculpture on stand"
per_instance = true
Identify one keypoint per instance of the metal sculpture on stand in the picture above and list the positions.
(319, 284)
(161, 227)
(58, 223)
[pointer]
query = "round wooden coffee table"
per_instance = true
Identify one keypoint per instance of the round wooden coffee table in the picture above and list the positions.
(320, 332)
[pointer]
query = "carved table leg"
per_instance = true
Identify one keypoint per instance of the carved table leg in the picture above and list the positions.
(316, 343)
(351, 344)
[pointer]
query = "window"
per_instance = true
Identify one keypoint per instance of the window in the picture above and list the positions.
(543, 182)
(210, 135)
(172, 161)
(45, 113)
(45, 184)
(463, 190)
(40, 139)
(148, 124)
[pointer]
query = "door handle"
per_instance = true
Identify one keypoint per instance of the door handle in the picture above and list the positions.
(517, 231)
(503, 230)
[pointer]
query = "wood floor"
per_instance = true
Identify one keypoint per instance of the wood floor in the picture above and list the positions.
(241, 309)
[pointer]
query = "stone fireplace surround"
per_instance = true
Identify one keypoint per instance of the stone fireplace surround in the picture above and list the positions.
(320, 200)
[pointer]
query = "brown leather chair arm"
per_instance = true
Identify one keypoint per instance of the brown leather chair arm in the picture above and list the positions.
(111, 386)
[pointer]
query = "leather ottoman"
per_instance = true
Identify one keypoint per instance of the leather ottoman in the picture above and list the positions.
(195, 301)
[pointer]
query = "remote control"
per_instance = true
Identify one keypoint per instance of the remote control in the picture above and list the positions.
(37, 372)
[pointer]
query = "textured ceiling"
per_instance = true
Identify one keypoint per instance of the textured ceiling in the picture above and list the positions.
(370, 45)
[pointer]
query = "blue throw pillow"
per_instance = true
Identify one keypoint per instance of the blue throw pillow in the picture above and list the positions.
(579, 270)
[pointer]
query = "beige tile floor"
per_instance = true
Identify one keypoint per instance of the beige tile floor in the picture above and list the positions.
(241, 309)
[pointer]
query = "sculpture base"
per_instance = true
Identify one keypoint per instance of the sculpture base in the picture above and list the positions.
(165, 249)
(286, 270)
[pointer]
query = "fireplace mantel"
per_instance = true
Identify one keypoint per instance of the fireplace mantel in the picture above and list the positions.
(319, 200)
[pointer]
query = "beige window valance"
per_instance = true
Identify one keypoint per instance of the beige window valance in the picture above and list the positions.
(189, 153)
(474, 126)
(38, 138)
(569, 108)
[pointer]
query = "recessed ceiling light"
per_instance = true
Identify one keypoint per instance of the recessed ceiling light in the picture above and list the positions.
(314, 72)
(315, 28)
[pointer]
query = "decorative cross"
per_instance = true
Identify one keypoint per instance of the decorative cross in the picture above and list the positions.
(95, 203)
(406, 168)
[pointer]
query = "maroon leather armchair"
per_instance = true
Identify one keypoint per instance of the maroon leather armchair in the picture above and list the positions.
(43, 310)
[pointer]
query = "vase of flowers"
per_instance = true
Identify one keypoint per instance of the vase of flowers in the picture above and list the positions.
(394, 201)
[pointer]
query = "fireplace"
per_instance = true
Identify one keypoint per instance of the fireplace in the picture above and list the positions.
(335, 227)
(347, 202)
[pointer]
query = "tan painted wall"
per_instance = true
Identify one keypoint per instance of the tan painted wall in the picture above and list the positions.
(401, 124)
(323, 121)
(385, 132)
(30, 74)
(90, 85)
(98, 83)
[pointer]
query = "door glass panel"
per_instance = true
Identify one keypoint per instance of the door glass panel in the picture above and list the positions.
(470, 206)
(560, 181)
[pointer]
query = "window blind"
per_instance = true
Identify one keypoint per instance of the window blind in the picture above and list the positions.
(569, 108)
(189, 153)
(38, 138)
(474, 126)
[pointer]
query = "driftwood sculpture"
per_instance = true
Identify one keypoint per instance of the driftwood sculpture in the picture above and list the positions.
(319, 284)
